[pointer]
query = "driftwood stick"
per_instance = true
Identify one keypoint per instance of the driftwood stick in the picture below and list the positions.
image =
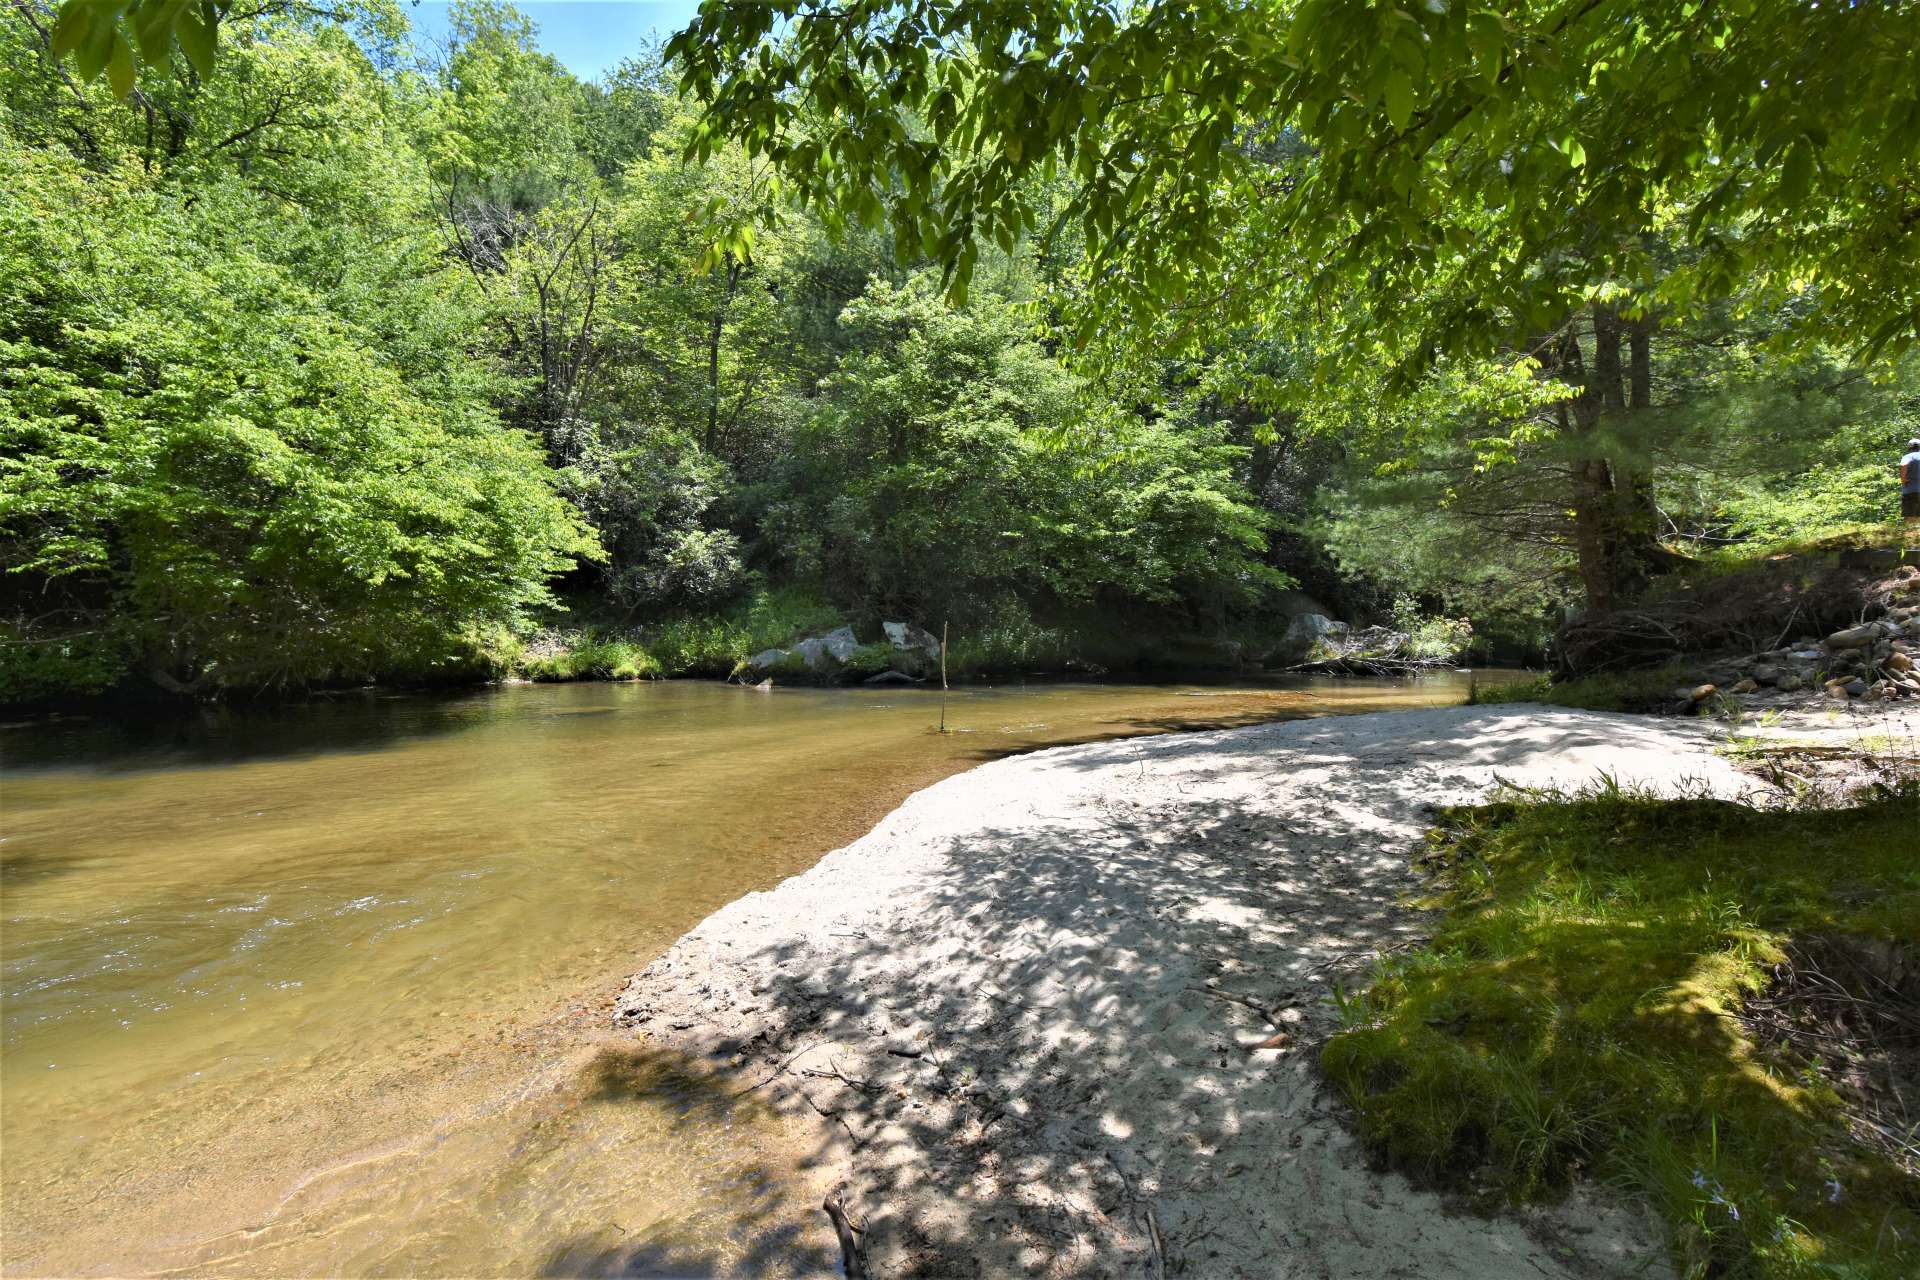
(1159, 1246)
(849, 1246)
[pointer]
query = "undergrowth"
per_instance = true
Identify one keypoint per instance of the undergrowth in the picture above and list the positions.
(1576, 1011)
(1643, 690)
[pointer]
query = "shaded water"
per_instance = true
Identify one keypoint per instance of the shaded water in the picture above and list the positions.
(316, 990)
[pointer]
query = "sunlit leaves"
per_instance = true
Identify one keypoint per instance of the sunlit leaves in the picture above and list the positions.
(1789, 134)
(110, 35)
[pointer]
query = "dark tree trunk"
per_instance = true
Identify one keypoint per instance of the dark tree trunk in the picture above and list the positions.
(1615, 521)
(1595, 531)
(714, 330)
(1642, 553)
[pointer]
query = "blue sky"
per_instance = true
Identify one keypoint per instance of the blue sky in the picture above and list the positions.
(589, 36)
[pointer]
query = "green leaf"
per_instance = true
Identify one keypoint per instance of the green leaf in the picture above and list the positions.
(90, 58)
(198, 35)
(1399, 98)
(72, 28)
(120, 65)
(1796, 175)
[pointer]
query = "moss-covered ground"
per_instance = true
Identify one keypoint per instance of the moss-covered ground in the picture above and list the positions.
(1578, 1013)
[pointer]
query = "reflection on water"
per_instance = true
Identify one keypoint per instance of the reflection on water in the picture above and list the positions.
(313, 989)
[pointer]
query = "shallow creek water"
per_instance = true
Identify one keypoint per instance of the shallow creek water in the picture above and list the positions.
(319, 989)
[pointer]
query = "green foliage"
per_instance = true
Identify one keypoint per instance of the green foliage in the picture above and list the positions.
(1577, 1010)
(1430, 637)
(1528, 147)
(942, 473)
(204, 442)
(717, 645)
(1005, 638)
(588, 657)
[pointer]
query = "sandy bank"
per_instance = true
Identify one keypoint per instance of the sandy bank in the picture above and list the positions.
(1060, 1011)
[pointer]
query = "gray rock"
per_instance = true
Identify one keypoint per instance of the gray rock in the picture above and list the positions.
(766, 659)
(1303, 635)
(1854, 637)
(1855, 688)
(1789, 683)
(1767, 673)
(906, 636)
(813, 653)
(841, 643)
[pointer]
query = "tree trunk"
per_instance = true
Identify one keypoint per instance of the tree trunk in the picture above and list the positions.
(1595, 513)
(1643, 555)
(1615, 522)
(714, 331)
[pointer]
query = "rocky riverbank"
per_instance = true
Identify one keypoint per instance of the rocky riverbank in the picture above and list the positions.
(1872, 660)
(1058, 1014)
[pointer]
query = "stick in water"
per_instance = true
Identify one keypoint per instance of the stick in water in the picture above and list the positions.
(849, 1248)
(943, 676)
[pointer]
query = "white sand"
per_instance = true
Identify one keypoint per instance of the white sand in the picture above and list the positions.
(1024, 1002)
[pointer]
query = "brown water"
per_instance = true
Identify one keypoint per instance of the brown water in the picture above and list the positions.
(318, 990)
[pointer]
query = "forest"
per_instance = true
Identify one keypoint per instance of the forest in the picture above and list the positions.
(1455, 457)
(325, 359)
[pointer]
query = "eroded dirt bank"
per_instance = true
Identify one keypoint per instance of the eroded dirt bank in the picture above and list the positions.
(1059, 1013)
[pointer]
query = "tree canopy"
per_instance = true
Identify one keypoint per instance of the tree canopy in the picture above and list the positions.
(1531, 148)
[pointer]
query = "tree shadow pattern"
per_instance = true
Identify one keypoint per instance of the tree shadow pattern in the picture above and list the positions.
(1065, 1022)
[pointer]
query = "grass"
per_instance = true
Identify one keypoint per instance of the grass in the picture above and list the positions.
(1643, 690)
(589, 658)
(705, 645)
(1833, 541)
(1577, 1012)
(716, 645)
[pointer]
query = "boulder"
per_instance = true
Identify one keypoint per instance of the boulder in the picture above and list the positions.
(1854, 637)
(767, 659)
(840, 644)
(1768, 673)
(813, 653)
(1789, 683)
(906, 636)
(1303, 635)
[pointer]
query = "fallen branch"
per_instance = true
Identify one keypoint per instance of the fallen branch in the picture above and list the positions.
(777, 1071)
(1159, 1246)
(849, 1246)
